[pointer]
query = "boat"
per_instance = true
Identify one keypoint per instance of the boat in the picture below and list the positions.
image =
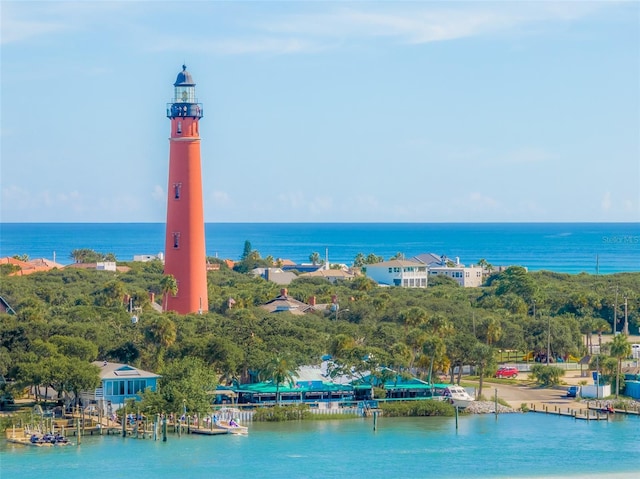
(232, 427)
(227, 419)
(38, 440)
(457, 396)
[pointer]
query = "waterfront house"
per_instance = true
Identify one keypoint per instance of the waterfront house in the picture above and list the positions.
(398, 272)
(119, 382)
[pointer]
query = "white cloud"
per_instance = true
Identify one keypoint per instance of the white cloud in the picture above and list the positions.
(426, 22)
(606, 203)
(23, 21)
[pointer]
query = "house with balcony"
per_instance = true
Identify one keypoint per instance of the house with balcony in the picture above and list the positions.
(118, 382)
(398, 272)
(466, 276)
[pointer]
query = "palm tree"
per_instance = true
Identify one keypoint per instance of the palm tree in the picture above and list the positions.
(168, 285)
(482, 357)
(620, 349)
(493, 330)
(314, 258)
(414, 317)
(279, 370)
(433, 347)
(161, 332)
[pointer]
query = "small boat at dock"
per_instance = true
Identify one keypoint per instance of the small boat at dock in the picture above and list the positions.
(457, 396)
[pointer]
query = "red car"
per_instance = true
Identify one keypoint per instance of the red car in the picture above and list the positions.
(507, 372)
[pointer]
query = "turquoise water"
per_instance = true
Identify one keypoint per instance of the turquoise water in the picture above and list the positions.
(513, 446)
(560, 247)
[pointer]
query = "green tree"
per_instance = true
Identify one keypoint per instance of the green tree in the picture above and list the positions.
(547, 375)
(246, 251)
(76, 347)
(515, 279)
(185, 383)
(315, 258)
(279, 370)
(169, 286)
(483, 358)
(620, 349)
(162, 333)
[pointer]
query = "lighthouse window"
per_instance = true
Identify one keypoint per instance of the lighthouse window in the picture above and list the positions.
(176, 240)
(179, 129)
(176, 190)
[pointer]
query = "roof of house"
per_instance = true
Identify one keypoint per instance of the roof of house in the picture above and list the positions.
(398, 263)
(284, 303)
(430, 259)
(329, 273)
(29, 267)
(121, 371)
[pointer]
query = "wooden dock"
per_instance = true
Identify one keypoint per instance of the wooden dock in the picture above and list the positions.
(581, 414)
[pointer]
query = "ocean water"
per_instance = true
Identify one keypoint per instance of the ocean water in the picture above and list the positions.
(561, 247)
(511, 446)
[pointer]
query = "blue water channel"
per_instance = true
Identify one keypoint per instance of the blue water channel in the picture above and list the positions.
(510, 446)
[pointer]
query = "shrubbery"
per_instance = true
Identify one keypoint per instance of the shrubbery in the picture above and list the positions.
(293, 412)
(416, 408)
(547, 375)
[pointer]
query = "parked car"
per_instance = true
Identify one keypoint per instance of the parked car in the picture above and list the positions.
(573, 391)
(507, 372)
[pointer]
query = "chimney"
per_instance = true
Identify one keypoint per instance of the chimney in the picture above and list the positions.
(312, 301)
(283, 292)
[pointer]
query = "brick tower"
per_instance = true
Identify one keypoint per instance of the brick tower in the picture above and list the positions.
(185, 251)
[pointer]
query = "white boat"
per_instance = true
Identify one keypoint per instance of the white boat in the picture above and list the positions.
(232, 427)
(457, 396)
(227, 419)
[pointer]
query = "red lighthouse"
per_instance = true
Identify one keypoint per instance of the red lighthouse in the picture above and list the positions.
(185, 252)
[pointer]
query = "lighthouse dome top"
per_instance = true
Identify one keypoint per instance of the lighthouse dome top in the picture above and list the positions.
(184, 78)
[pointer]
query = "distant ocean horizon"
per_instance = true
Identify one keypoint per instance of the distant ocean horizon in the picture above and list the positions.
(595, 248)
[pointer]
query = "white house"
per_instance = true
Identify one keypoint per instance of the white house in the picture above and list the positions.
(398, 272)
(469, 277)
(106, 266)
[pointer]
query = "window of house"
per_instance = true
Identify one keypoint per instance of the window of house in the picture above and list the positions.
(390, 270)
(176, 240)
(177, 187)
(179, 128)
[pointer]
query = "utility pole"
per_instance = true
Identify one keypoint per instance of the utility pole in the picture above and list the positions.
(626, 318)
(615, 312)
(549, 341)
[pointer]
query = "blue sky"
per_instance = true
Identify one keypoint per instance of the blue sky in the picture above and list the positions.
(325, 111)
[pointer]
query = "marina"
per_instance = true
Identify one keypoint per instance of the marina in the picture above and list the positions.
(483, 446)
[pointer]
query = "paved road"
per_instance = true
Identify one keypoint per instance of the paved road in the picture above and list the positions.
(516, 394)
